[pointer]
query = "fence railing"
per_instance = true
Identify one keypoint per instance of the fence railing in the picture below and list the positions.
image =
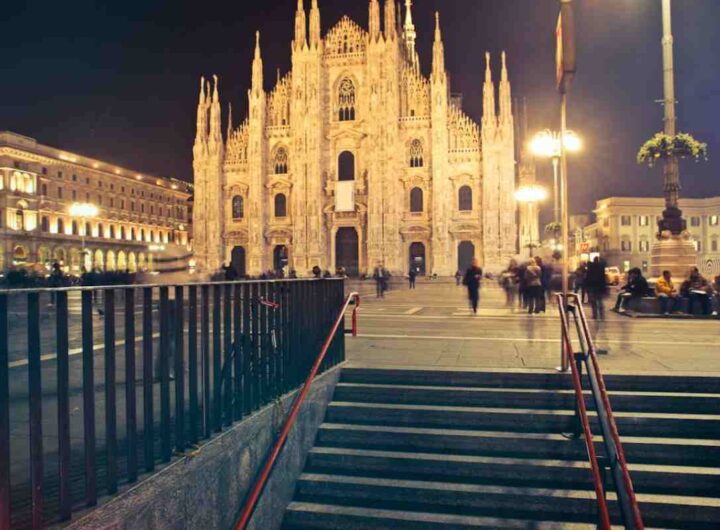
(614, 459)
(98, 385)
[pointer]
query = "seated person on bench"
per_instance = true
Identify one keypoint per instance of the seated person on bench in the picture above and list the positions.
(636, 287)
(666, 293)
(697, 289)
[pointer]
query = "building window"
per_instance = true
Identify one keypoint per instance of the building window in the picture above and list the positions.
(112, 203)
(74, 195)
(74, 177)
(59, 190)
(61, 226)
(152, 209)
(346, 166)
(20, 220)
(416, 200)
(625, 220)
(694, 221)
(280, 205)
(465, 199)
(625, 246)
(238, 207)
(122, 233)
(644, 245)
(75, 228)
(43, 190)
(132, 206)
(88, 229)
(698, 246)
(346, 100)
(643, 220)
(713, 220)
(416, 154)
(122, 204)
(280, 161)
(45, 224)
(132, 234)
(59, 174)
(44, 171)
(111, 230)
(142, 207)
(714, 245)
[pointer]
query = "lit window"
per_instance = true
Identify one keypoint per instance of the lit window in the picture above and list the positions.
(238, 208)
(625, 220)
(625, 245)
(416, 154)
(281, 161)
(643, 220)
(346, 100)
(644, 245)
(713, 220)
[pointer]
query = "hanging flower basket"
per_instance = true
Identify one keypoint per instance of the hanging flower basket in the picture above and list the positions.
(662, 146)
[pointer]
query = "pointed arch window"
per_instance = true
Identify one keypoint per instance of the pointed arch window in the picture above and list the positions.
(280, 161)
(280, 205)
(416, 200)
(346, 100)
(465, 199)
(416, 154)
(238, 207)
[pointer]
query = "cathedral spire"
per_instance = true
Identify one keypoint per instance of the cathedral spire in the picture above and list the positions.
(300, 26)
(438, 73)
(202, 111)
(215, 138)
(488, 118)
(230, 123)
(315, 37)
(409, 35)
(374, 20)
(505, 94)
(257, 67)
(390, 20)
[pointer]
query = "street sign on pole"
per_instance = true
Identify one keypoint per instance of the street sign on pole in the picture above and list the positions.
(565, 46)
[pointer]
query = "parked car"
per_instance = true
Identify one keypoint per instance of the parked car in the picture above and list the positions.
(613, 275)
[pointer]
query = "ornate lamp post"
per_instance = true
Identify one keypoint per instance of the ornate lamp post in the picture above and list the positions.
(529, 196)
(83, 211)
(547, 144)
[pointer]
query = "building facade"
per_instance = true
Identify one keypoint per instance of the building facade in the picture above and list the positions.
(140, 221)
(626, 228)
(356, 158)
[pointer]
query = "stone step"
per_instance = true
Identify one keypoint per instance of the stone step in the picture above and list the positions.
(534, 379)
(521, 472)
(517, 420)
(512, 444)
(534, 504)
(316, 516)
(523, 398)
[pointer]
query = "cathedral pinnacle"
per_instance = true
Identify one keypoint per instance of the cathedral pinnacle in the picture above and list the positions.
(257, 67)
(390, 20)
(438, 72)
(315, 37)
(505, 94)
(489, 120)
(202, 124)
(229, 129)
(374, 20)
(410, 36)
(215, 138)
(504, 73)
(300, 26)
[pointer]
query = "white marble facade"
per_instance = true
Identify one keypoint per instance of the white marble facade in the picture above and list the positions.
(354, 158)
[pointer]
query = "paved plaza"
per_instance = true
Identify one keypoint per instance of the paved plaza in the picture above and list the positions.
(432, 326)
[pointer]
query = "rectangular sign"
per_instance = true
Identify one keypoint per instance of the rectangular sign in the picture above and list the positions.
(345, 196)
(565, 46)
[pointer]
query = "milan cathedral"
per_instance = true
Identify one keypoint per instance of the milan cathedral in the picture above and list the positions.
(356, 158)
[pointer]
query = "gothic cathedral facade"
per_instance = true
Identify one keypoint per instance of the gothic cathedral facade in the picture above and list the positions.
(356, 158)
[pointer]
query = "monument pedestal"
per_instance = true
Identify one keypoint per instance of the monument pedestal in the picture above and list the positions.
(674, 253)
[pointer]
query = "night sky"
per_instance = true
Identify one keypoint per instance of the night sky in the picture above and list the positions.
(119, 80)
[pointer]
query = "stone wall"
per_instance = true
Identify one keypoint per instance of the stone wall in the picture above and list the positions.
(205, 489)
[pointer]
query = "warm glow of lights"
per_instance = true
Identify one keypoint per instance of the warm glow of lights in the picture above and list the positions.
(174, 186)
(117, 171)
(547, 143)
(138, 177)
(84, 210)
(67, 158)
(530, 194)
(96, 165)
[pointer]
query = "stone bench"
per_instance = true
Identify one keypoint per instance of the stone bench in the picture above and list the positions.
(651, 305)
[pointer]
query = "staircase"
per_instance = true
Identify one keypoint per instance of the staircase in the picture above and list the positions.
(413, 449)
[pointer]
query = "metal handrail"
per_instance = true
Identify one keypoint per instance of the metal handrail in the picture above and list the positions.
(277, 447)
(585, 422)
(621, 476)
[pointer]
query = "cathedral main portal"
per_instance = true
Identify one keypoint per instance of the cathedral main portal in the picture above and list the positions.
(347, 250)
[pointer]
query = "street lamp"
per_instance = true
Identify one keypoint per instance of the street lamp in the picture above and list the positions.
(83, 211)
(547, 144)
(530, 194)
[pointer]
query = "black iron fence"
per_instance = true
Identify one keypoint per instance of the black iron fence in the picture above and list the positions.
(99, 385)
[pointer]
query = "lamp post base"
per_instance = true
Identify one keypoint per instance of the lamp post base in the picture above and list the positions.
(674, 253)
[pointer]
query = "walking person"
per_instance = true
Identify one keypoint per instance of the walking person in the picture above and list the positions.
(412, 276)
(596, 287)
(472, 280)
(508, 281)
(545, 281)
(579, 282)
(458, 277)
(533, 286)
(380, 276)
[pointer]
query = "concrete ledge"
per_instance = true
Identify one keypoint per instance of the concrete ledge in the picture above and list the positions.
(205, 490)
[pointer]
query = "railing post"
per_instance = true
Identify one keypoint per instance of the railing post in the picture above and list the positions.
(246, 351)
(165, 447)
(88, 355)
(205, 358)
(130, 397)
(35, 408)
(179, 356)
(237, 353)
(63, 404)
(192, 364)
(4, 416)
(227, 357)
(148, 400)
(110, 414)
(217, 359)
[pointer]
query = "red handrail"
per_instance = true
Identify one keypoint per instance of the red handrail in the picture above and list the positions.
(592, 457)
(262, 479)
(637, 517)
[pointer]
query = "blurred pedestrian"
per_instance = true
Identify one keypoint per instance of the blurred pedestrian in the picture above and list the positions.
(596, 286)
(412, 276)
(471, 280)
(533, 286)
(380, 275)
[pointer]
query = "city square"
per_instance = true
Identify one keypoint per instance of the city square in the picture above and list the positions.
(371, 265)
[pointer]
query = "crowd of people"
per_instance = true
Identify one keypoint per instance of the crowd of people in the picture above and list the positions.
(528, 283)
